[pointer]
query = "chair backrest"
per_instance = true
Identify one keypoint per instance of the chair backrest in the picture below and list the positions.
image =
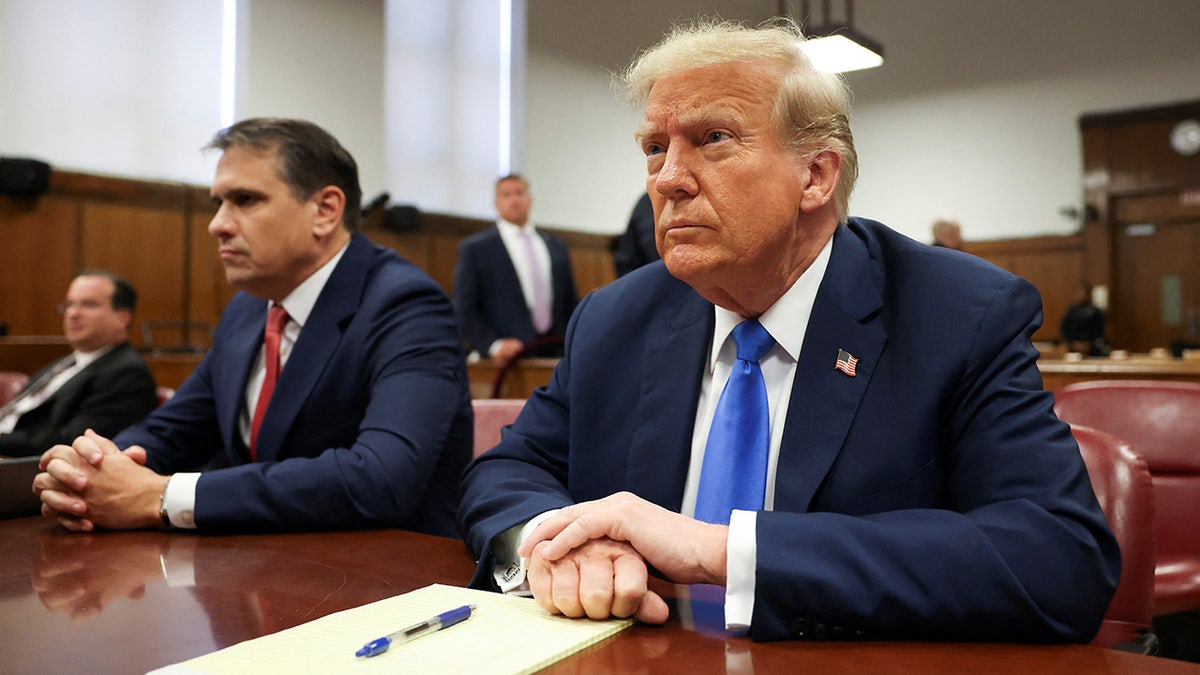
(492, 415)
(1161, 422)
(11, 382)
(1121, 481)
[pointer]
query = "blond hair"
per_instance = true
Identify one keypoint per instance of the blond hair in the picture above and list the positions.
(812, 108)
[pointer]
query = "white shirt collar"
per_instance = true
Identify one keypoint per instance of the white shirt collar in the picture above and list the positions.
(300, 302)
(787, 319)
(508, 229)
(85, 359)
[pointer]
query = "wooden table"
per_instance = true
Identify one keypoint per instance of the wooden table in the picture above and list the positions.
(1058, 372)
(128, 602)
(519, 381)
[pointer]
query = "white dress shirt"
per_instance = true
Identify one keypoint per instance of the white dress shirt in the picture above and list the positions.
(179, 498)
(786, 321)
(510, 234)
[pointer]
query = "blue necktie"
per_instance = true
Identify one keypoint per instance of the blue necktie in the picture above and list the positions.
(734, 474)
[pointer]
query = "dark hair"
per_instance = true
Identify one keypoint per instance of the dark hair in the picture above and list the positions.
(513, 176)
(124, 296)
(309, 158)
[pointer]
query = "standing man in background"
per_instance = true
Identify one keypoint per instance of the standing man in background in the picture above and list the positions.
(104, 384)
(513, 285)
(335, 393)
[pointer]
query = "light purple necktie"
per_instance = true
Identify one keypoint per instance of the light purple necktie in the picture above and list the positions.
(541, 294)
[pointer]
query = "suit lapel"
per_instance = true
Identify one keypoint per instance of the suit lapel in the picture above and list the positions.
(670, 390)
(318, 340)
(233, 373)
(824, 399)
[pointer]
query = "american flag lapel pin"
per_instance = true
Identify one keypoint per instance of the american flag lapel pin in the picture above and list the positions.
(846, 362)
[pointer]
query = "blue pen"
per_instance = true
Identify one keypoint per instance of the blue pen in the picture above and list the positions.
(443, 620)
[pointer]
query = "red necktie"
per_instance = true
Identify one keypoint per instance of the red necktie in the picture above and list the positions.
(277, 318)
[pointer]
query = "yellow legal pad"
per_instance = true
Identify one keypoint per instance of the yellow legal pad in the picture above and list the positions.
(505, 634)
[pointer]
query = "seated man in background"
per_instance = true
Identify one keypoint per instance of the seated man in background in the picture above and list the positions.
(513, 285)
(1083, 324)
(855, 420)
(335, 392)
(103, 385)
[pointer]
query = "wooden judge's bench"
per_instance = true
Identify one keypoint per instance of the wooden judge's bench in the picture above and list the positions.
(1059, 371)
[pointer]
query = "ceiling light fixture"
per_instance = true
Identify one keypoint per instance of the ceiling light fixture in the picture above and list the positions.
(836, 47)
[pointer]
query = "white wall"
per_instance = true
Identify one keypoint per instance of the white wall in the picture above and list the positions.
(584, 169)
(320, 61)
(1002, 158)
(125, 87)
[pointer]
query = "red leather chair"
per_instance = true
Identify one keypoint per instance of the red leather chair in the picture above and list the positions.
(492, 415)
(1161, 422)
(1121, 480)
(11, 382)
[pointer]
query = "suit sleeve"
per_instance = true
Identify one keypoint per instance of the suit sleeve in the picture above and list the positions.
(111, 399)
(526, 474)
(182, 434)
(379, 469)
(469, 301)
(1021, 552)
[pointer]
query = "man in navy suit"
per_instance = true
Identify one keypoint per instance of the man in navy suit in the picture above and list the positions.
(369, 423)
(513, 285)
(915, 481)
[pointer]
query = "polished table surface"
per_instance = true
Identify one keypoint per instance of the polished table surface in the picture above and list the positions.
(128, 602)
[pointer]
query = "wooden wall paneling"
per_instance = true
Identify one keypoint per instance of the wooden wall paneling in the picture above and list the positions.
(1055, 265)
(433, 246)
(208, 290)
(1097, 239)
(37, 261)
(1133, 177)
(146, 246)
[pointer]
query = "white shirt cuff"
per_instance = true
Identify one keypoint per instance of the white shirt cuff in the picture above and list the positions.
(510, 568)
(741, 551)
(180, 500)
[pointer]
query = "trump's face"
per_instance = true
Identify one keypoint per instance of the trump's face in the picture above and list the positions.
(727, 194)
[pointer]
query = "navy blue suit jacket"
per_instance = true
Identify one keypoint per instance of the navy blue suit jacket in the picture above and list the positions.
(934, 495)
(488, 296)
(370, 424)
(108, 395)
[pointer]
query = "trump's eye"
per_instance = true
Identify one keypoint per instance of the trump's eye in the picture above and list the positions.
(653, 149)
(716, 137)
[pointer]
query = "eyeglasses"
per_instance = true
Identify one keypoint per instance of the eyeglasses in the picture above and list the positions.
(86, 305)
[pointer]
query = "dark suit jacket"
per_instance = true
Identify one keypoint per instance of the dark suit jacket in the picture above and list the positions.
(932, 496)
(636, 246)
(108, 395)
(488, 296)
(370, 424)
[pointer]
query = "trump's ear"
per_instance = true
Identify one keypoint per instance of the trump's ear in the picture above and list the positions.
(824, 171)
